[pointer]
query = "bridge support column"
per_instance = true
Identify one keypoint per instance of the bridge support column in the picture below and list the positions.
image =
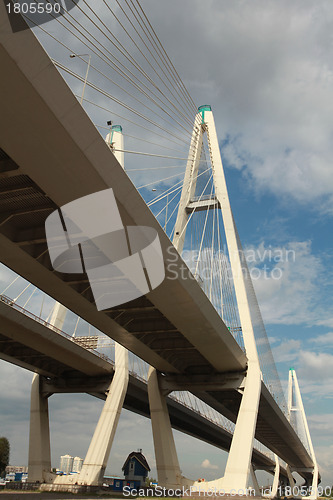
(39, 438)
(99, 450)
(276, 477)
(58, 316)
(254, 481)
(239, 460)
(295, 406)
(167, 464)
(291, 479)
(314, 487)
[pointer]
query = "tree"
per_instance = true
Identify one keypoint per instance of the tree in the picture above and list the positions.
(4, 455)
(150, 480)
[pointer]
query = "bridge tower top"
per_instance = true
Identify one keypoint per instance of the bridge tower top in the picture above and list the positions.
(115, 141)
(218, 199)
(202, 109)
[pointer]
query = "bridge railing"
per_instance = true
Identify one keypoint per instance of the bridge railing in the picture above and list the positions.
(10, 302)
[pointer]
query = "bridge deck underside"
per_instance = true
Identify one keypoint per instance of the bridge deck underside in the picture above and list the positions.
(23, 210)
(30, 344)
(61, 157)
(22, 342)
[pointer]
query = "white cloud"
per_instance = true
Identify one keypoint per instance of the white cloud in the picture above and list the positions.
(266, 67)
(7, 276)
(325, 339)
(321, 429)
(324, 456)
(314, 371)
(321, 424)
(273, 340)
(316, 366)
(288, 282)
(286, 351)
(207, 465)
(20, 382)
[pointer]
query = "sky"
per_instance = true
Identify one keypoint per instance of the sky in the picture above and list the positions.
(265, 67)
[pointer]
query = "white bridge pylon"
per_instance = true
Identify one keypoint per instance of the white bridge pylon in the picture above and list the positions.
(296, 412)
(239, 467)
(239, 473)
(97, 456)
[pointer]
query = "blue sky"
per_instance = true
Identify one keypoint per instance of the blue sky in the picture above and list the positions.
(266, 69)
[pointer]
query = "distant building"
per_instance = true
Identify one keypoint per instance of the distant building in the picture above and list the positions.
(77, 464)
(16, 476)
(88, 342)
(136, 467)
(66, 463)
(16, 468)
(10, 476)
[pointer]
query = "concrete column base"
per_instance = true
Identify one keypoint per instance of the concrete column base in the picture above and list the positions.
(237, 473)
(167, 465)
(254, 481)
(99, 450)
(39, 438)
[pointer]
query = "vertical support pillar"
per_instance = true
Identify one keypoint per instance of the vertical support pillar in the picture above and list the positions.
(314, 487)
(167, 465)
(115, 141)
(99, 450)
(39, 438)
(295, 404)
(58, 316)
(39, 462)
(238, 466)
(291, 479)
(276, 477)
(254, 481)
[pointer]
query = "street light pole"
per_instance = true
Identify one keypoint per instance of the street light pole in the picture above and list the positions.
(87, 72)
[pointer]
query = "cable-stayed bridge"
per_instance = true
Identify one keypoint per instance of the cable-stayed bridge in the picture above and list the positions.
(38, 346)
(204, 335)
